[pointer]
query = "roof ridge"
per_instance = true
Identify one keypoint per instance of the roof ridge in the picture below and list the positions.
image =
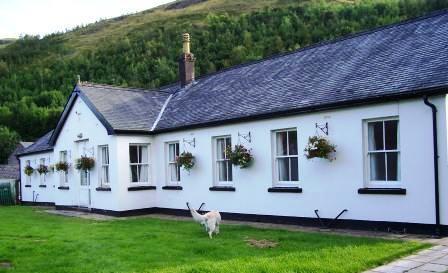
(282, 54)
(328, 42)
(130, 89)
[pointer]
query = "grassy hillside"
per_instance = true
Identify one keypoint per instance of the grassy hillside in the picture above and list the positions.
(36, 74)
(6, 41)
(88, 37)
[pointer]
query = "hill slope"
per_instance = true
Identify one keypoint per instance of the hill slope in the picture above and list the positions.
(142, 49)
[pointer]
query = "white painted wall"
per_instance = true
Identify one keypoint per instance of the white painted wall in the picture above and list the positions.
(36, 193)
(129, 200)
(80, 121)
(327, 186)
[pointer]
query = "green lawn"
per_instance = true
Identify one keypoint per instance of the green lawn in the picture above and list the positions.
(34, 241)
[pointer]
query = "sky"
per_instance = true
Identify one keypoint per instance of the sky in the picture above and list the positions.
(41, 17)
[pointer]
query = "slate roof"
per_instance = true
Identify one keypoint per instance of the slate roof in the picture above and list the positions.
(406, 59)
(9, 171)
(41, 145)
(390, 61)
(125, 108)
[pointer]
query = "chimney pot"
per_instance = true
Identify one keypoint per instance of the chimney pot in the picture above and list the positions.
(186, 62)
(186, 43)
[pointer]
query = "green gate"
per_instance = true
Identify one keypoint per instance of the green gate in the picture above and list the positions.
(6, 194)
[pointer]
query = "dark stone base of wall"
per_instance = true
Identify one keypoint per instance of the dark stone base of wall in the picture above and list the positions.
(382, 226)
(29, 203)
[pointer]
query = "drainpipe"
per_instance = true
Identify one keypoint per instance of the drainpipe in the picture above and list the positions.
(436, 163)
(19, 194)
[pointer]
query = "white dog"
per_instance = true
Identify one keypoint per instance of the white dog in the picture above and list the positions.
(210, 220)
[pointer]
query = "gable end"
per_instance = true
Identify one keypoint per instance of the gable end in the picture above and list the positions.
(67, 109)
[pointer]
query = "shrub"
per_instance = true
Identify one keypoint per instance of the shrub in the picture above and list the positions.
(240, 156)
(85, 163)
(185, 160)
(62, 166)
(320, 147)
(28, 170)
(42, 169)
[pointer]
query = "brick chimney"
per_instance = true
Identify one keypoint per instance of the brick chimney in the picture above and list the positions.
(186, 62)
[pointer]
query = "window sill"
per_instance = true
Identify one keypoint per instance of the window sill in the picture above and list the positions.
(173, 188)
(42, 186)
(285, 189)
(141, 188)
(63, 188)
(103, 189)
(222, 188)
(27, 186)
(397, 191)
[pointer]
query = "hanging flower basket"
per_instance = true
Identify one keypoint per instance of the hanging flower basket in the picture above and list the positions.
(319, 147)
(240, 156)
(185, 160)
(28, 170)
(85, 163)
(62, 166)
(42, 169)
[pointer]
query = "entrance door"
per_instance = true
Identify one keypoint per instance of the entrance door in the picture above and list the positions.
(84, 177)
(84, 189)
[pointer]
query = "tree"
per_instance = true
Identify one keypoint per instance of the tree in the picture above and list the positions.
(8, 142)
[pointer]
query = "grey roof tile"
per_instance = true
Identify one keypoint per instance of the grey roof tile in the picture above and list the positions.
(40, 145)
(397, 59)
(9, 171)
(124, 108)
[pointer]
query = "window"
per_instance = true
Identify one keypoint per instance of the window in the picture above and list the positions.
(85, 178)
(42, 176)
(63, 176)
(28, 177)
(139, 163)
(173, 168)
(286, 163)
(104, 165)
(383, 154)
(223, 169)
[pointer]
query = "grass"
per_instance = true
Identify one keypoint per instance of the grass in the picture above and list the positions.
(34, 241)
(114, 29)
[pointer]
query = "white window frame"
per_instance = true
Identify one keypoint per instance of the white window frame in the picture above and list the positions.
(275, 157)
(63, 176)
(148, 146)
(28, 177)
(218, 182)
(87, 177)
(103, 167)
(169, 163)
(42, 176)
(380, 183)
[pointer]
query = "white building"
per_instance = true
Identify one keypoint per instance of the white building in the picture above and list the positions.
(374, 93)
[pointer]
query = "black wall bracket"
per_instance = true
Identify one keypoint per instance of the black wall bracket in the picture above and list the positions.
(191, 142)
(328, 225)
(323, 127)
(247, 137)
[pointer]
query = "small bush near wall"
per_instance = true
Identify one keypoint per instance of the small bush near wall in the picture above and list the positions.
(186, 161)
(28, 170)
(42, 169)
(85, 163)
(240, 156)
(62, 166)
(320, 147)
